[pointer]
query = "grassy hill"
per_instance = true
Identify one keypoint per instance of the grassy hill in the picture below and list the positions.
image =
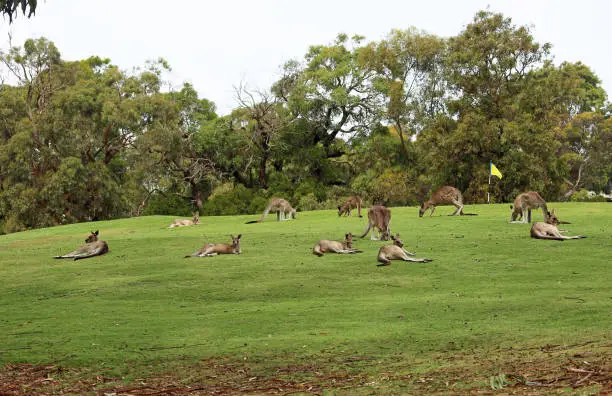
(492, 302)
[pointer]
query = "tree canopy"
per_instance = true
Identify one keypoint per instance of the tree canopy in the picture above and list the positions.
(390, 120)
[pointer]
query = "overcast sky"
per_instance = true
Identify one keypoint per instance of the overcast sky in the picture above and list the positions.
(217, 45)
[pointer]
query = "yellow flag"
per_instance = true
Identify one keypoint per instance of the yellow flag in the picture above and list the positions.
(495, 171)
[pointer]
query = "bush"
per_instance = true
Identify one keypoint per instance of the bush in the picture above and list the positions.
(167, 204)
(583, 196)
(239, 200)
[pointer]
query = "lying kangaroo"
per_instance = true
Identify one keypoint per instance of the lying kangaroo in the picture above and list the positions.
(213, 249)
(397, 252)
(283, 210)
(445, 195)
(549, 230)
(350, 203)
(92, 248)
(379, 218)
(185, 222)
(325, 246)
(524, 203)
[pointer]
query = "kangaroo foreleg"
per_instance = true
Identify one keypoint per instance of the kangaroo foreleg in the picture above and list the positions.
(409, 253)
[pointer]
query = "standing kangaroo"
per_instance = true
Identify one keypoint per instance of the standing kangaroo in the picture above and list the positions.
(445, 195)
(325, 246)
(186, 222)
(396, 252)
(549, 230)
(213, 249)
(92, 248)
(379, 218)
(524, 203)
(283, 210)
(350, 203)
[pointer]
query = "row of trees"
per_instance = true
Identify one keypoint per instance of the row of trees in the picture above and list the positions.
(85, 140)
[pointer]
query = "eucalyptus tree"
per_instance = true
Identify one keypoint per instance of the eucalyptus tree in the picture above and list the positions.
(409, 72)
(11, 8)
(487, 65)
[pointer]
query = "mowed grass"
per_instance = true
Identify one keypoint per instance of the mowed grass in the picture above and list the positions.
(490, 286)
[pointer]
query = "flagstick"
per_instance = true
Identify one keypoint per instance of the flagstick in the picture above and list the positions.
(489, 190)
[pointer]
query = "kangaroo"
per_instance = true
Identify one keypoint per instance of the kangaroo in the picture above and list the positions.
(283, 210)
(325, 246)
(185, 222)
(92, 248)
(350, 203)
(445, 195)
(524, 203)
(549, 230)
(379, 218)
(213, 249)
(396, 252)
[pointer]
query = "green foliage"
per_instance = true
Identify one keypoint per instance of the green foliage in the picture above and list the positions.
(234, 201)
(10, 8)
(167, 204)
(390, 120)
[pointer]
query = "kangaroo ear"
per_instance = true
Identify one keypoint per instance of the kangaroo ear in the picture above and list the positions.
(397, 234)
(97, 232)
(239, 236)
(553, 212)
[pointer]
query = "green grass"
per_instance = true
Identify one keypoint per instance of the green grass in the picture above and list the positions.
(490, 286)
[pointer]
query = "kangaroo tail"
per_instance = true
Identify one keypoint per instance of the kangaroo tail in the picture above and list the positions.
(366, 230)
(253, 221)
(548, 237)
(468, 214)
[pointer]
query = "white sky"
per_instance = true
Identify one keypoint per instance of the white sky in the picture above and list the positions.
(215, 46)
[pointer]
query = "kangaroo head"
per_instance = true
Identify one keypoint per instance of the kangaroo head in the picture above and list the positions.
(236, 242)
(93, 237)
(397, 241)
(422, 209)
(339, 210)
(385, 236)
(552, 218)
(196, 218)
(348, 240)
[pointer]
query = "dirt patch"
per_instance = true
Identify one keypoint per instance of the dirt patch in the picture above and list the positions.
(534, 371)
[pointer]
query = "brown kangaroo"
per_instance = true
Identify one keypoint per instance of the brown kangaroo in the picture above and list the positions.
(92, 248)
(445, 195)
(549, 230)
(185, 222)
(396, 252)
(213, 249)
(283, 210)
(325, 246)
(524, 203)
(350, 203)
(379, 218)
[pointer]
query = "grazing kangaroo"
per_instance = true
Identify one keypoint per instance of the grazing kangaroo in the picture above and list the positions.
(445, 195)
(92, 248)
(325, 246)
(379, 218)
(397, 252)
(213, 249)
(549, 230)
(185, 222)
(283, 210)
(524, 203)
(350, 203)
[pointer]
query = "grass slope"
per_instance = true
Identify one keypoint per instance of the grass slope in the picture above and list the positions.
(490, 287)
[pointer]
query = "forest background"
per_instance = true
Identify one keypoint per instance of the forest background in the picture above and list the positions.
(389, 120)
